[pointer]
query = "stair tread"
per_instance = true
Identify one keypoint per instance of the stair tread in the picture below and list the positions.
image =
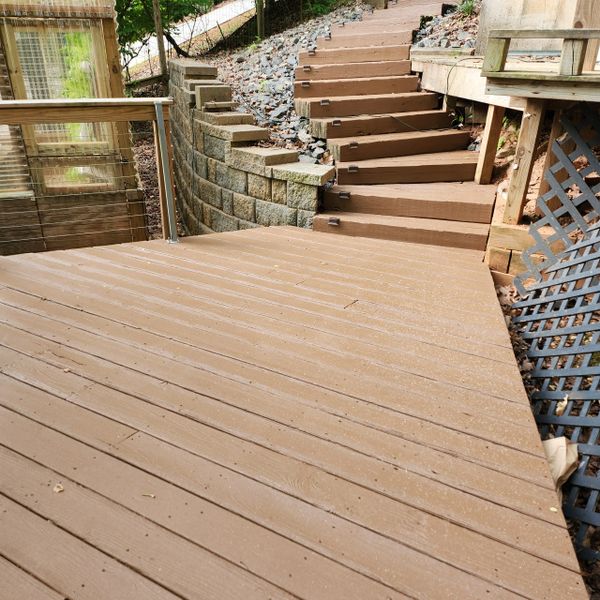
(399, 115)
(409, 222)
(368, 97)
(361, 80)
(391, 137)
(453, 157)
(464, 192)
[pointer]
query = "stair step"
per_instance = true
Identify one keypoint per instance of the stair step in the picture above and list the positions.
(346, 106)
(465, 201)
(227, 118)
(398, 144)
(354, 55)
(343, 87)
(386, 68)
(363, 40)
(458, 165)
(378, 124)
(434, 232)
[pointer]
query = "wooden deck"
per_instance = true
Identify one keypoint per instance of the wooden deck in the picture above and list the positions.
(272, 413)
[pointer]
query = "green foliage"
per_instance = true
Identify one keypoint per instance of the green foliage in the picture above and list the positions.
(467, 7)
(314, 8)
(136, 20)
(501, 142)
(78, 60)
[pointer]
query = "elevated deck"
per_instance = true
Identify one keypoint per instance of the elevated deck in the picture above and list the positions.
(270, 413)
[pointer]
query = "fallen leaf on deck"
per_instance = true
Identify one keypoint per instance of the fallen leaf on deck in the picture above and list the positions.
(58, 488)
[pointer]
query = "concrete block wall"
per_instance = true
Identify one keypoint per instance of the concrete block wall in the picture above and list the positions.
(223, 180)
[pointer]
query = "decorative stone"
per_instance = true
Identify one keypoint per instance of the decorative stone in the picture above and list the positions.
(200, 164)
(222, 222)
(216, 148)
(279, 191)
(300, 195)
(209, 193)
(230, 178)
(305, 218)
(211, 169)
(269, 213)
(259, 187)
(303, 173)
(256, 160)
(243, 207)
(227, 201)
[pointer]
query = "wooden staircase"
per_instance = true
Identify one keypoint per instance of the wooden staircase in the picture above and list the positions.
(402, 172)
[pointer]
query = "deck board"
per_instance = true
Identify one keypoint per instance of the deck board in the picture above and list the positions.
(284, 415)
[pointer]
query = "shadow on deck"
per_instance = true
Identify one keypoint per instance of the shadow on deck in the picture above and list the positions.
(269, 413)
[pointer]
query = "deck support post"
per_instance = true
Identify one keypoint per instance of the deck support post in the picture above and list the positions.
(489, 144)
(521, 168)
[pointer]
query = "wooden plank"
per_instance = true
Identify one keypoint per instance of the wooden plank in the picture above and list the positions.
(17, 583)
(354, 55)
(346, 87)
(572, 57)
(458, 165)
(527, 87)
(529, 134)
(419, 231)
(398, 144)
(75, 111)
(555, 133)
(204, 444)
(489, 144)
(495, 54)
(314, 528)
(171, 561)
(62, 561)
(498, 259)
(537, 34)
(388, 68)
(363, 40)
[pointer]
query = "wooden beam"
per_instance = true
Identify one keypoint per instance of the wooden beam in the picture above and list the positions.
(495, 54)
(541, 34)
(489, 144)
(555, 132)
(27, 112)
(523, 163)
(572, 57)
(587, 15)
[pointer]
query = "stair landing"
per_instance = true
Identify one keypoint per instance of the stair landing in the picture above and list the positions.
(340, 421)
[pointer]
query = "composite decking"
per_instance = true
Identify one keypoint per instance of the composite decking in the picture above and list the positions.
(272, 413)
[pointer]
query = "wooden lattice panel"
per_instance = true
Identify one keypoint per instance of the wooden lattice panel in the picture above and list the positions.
(571, 205)
(560, 320)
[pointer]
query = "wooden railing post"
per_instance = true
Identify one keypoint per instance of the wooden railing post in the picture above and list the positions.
(523, 162)
(489, 144)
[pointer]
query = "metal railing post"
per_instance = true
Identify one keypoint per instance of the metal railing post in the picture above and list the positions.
(166, 173)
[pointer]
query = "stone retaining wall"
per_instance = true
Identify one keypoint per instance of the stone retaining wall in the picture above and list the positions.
(225, 182)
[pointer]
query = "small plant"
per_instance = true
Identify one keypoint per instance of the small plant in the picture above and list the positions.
(501, 143)
(467, 7)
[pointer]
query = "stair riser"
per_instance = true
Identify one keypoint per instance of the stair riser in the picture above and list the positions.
(407, 207)
(380, 124)
(367, 105)
(408, 174)
(402, 234)
(354, 70)
(364, 40)
(331, 89)
(452, 141)
(354, 55)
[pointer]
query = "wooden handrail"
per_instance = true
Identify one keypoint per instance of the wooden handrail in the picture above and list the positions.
(28, 112)
(569, 34)
(110, 110)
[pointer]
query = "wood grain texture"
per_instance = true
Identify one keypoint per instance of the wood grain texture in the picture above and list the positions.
(267, 430)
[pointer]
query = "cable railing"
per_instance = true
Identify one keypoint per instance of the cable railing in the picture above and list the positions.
(69, 176)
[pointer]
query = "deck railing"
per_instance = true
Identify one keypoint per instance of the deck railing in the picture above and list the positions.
(69, 165)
